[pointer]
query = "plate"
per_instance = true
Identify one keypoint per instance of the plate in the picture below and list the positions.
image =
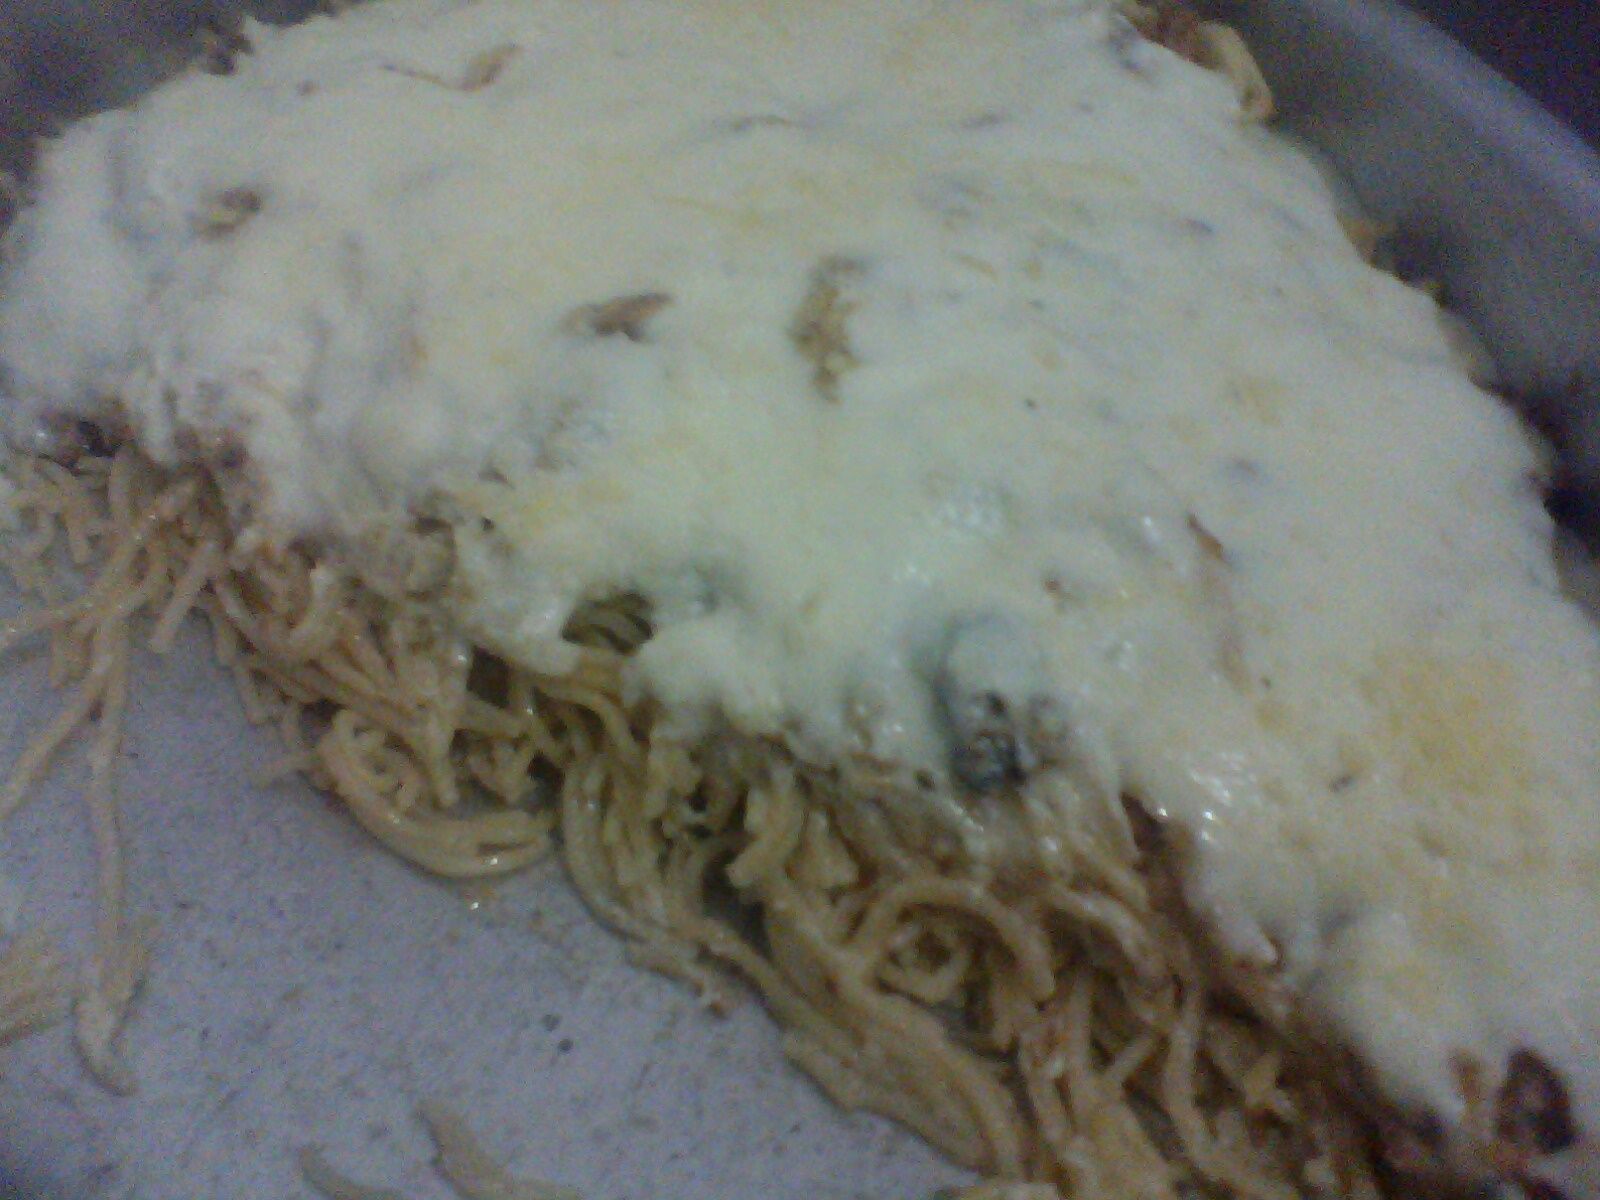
(307, 988)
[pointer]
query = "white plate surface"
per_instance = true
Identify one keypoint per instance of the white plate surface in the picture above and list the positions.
(308, 988)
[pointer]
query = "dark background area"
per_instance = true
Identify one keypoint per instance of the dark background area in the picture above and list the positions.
(1549, 48)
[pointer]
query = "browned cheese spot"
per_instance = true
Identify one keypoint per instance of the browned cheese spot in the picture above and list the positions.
(228, 210)
(819, 331)
(625, 315)
(221, 43)
(485, 67)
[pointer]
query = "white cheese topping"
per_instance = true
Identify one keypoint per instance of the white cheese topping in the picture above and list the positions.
(964, 385)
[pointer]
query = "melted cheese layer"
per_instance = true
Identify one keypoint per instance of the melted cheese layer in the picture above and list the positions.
(964, 385)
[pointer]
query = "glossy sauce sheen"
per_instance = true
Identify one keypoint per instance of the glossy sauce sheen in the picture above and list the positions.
(931, 368)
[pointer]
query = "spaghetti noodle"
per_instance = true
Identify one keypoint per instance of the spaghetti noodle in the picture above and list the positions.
(1058, 1028)
(33, 992)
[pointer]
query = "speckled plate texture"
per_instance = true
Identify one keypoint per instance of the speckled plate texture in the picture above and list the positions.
(309, 989)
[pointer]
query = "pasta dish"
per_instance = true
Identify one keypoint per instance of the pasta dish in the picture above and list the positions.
(925, 506)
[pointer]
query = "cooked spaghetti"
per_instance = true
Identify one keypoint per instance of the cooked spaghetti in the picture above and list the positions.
(1060, 1029)
(869, 508)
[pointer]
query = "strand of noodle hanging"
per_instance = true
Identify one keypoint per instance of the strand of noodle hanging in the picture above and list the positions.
(1055, 1035)
(33, 987)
